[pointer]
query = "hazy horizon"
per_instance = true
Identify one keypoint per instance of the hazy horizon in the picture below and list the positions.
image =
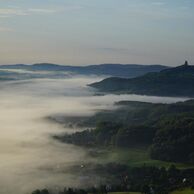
(93, 32)
(84, 65)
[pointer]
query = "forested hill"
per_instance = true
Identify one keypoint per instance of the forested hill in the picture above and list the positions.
(120, 70)
(168, 129)
(178, 81)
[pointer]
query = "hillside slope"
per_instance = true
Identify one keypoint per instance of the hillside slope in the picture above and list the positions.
(178, 81)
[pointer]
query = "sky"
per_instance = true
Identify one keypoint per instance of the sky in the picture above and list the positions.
(80, 32)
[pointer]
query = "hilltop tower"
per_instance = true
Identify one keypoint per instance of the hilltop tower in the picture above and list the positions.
(186, 63)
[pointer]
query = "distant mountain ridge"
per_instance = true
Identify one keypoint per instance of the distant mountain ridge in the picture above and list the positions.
(178, 81)
(119, 70)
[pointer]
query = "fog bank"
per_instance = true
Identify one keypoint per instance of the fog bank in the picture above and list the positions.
(29, 158)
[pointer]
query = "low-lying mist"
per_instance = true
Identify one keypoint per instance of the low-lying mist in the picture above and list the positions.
(29, 157)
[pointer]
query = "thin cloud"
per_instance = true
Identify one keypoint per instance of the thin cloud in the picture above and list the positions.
(17, 11)
(109, 49)
(9, 12)
(5, 29)
(158, 3)
(73, 8)
(43, 11)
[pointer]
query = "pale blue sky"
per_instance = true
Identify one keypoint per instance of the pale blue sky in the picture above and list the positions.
(79, 32)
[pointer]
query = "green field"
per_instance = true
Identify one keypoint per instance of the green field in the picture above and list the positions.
(124, 193)
(134, 157)
(185, 191)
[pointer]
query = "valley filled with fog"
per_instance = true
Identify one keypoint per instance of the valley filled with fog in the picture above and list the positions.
(29, 157)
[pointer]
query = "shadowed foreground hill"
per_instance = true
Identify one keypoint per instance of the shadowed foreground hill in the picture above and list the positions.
(178, 81)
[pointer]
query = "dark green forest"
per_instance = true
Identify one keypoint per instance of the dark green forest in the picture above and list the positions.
(167, 129)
